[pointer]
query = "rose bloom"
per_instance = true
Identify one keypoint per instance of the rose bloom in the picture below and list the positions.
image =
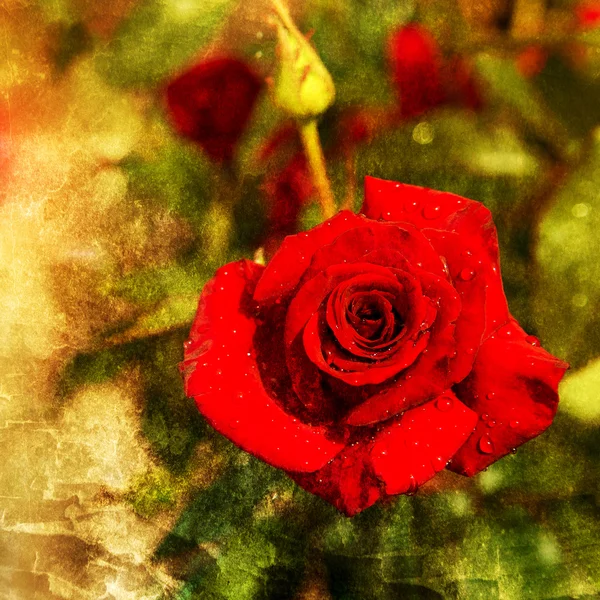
(373, 351)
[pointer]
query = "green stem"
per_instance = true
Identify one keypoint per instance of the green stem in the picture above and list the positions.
(316, 162)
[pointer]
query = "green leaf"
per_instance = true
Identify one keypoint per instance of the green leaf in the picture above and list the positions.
(579, 394)
(262, 560)
(73, 41)
(153, 285)
(226, 505)
(159, 37)
(177, 176)
(509, 88)
(567, 292)
(173, 313)
(97, 366)
(572, 96)
(170, 420)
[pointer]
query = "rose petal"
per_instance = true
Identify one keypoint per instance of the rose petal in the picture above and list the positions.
(285, 269)
(310, 296)
(468, 273)
(356, 243)
(363, 373)
(404, 454)
(348, 482)
(221, 375)
(513, 387)
(432, 210)
(431, 374)
(412, 449)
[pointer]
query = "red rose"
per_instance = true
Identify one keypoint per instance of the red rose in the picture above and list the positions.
(211, 104)
(372, 350)
(422, 77)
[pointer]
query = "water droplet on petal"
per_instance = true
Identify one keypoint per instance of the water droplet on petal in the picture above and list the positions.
(491, 423)
(466, 274)
(485, 417)
(531, 339)
(432, 211)
(485, 444)
(514, 424)
(490, 395)
(412, 486)
(444, 404)
(411, 205)
(513, 451)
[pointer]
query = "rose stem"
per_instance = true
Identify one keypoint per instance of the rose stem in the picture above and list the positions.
(316, 162)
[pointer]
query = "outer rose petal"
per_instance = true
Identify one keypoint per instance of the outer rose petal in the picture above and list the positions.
(221, 375)
(513, 387)
(412, 449)
(348, 482)
(405, 453)
(432, 210)
(285, 269)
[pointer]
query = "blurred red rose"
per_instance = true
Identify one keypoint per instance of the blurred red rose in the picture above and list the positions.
(287, 185)
(212, 102)
(422, 77)
(372, 350)
(588, 15)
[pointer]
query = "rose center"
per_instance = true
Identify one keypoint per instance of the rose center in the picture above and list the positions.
(372, 316)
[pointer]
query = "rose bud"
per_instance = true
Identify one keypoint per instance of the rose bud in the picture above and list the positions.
(422, 77)
(372, 351)
(211, 104)
(302, 86)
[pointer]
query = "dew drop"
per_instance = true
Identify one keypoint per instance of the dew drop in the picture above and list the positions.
(514, 424)
(531, 339)
(187, 344)
(491, 423)
(513, 451)
(490, 395)
(411, 205)
(485, 444)
(444, 404)
(412, 486)
(431, 211)
(466, 274)
(485, 417)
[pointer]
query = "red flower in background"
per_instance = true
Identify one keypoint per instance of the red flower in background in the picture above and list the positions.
(372, 350)
(588, 15)
(287, 185)
(423, 79)
(212, 103)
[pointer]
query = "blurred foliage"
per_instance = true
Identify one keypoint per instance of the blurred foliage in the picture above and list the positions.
(526, 528)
